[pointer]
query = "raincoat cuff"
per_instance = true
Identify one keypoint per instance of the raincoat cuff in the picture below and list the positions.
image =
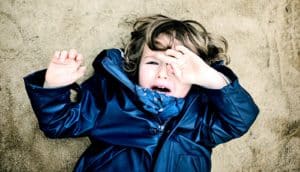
(34, 83)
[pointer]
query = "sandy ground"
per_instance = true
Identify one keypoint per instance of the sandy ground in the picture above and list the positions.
(264, 47)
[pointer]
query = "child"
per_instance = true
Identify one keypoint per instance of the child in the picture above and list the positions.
(162, 105)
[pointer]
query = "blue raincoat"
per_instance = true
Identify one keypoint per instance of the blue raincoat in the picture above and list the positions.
(136, 129)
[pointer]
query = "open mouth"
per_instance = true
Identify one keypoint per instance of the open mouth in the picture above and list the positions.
(161, 89)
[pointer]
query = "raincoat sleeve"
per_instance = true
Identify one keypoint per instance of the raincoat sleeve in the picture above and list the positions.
(232, 110)
(57, 115)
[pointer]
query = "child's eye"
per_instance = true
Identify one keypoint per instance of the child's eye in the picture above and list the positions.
(152, 63)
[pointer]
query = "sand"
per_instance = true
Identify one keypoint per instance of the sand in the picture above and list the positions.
(264, 47)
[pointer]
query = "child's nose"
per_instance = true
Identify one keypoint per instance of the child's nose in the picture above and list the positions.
(163, 72)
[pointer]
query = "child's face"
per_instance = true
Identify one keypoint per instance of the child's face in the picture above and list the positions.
(157, 75)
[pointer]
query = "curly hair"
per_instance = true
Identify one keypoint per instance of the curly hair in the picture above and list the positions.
(190, 33)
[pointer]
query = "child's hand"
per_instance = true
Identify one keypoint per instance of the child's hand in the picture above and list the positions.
(191, 69)
(64, 69)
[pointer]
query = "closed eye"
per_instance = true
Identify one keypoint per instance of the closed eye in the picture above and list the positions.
(152, 63)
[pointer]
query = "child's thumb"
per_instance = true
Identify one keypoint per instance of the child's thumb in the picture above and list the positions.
(80, 72)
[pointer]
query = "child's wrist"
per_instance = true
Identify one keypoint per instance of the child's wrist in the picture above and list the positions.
(225, 78)
(48, 85)
(213, 80)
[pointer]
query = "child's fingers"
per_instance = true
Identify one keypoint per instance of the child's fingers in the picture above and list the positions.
(79, 58)
(180, 61)
(166, 59)
(170, 69)
(183, 49)
(56, 54)
(189, 53)
(80, 72)
(174, 53)
(55, 58)
(63, 56)
(72, 54)
(174, 69)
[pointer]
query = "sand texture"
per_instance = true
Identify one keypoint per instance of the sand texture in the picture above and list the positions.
(264, 47)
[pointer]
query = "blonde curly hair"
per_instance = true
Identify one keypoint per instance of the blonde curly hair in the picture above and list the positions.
(190, 33)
